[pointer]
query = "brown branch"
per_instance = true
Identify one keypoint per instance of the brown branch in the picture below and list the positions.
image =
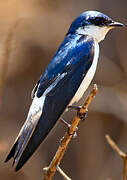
(122, 154)
(50, 171)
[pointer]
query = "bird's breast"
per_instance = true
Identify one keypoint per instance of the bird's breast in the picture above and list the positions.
(88, 77)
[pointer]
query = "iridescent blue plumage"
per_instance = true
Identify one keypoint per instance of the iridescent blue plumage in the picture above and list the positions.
(76, 51)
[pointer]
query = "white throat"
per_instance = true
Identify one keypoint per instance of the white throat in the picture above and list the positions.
(98, 33)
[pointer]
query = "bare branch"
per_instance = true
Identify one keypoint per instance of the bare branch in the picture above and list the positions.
(124, 177)
(115, 147)
(50, 171)
(122, 154)
(62, 173)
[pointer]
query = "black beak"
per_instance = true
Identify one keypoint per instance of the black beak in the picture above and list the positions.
(116, 24)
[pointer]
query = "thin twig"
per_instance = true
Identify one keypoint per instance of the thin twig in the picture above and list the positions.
(122, 154)
(124, 177)
(62, 173)
(50, 171)
(115, 147)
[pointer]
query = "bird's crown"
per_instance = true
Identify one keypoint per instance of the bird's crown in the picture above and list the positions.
(93, 23)
(91, 18)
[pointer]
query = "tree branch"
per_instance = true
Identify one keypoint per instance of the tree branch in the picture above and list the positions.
(50, 171)
(62, 173)
(122, 154)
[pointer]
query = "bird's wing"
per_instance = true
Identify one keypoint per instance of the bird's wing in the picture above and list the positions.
(56, 88)
(73, 50)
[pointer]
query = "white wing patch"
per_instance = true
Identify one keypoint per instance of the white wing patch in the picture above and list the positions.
(36, 107)
(59, 77)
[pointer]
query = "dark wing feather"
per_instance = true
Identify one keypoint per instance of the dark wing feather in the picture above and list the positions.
(74, 61)
(23, 138)
(73, 49)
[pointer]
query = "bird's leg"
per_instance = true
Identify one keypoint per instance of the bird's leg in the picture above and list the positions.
(66, 124)
(77, 108)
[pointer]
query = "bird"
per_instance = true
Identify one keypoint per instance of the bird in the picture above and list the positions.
(63, 82)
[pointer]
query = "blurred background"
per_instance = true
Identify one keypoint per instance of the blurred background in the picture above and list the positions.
(30, 33)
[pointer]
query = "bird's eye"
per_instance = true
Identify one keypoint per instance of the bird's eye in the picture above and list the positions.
(99, 21)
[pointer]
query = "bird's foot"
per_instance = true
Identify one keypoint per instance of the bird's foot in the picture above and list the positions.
(77, 108)
(83, 115)
(66, 124)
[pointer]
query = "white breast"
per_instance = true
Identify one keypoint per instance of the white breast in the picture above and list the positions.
(88, 77)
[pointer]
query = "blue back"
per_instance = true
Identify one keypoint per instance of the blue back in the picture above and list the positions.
(75, 52)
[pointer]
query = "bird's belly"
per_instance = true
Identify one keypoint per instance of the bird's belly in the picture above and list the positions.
(88, 77)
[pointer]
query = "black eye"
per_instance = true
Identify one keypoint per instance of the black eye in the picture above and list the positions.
(99, 21)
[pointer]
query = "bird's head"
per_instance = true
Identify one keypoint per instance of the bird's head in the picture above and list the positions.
(93, 23)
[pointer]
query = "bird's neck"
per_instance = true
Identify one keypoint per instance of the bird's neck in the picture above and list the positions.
(98, 33)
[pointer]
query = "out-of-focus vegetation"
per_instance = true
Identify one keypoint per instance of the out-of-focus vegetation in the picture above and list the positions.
(40, 28)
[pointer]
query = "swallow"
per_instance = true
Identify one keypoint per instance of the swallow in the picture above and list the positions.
(63, 82)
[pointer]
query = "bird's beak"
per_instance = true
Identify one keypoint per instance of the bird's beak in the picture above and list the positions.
(116, 24)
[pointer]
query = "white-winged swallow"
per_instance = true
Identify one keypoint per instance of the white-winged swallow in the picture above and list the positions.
(63, 81)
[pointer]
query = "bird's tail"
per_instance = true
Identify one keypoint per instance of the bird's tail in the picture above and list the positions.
(12, 152)
(33, 132)
(21, 142)
(24, 147)
(26, 133)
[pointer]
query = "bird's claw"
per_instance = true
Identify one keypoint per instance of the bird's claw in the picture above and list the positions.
(75, 107)
(68, 126)
(81, 116)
